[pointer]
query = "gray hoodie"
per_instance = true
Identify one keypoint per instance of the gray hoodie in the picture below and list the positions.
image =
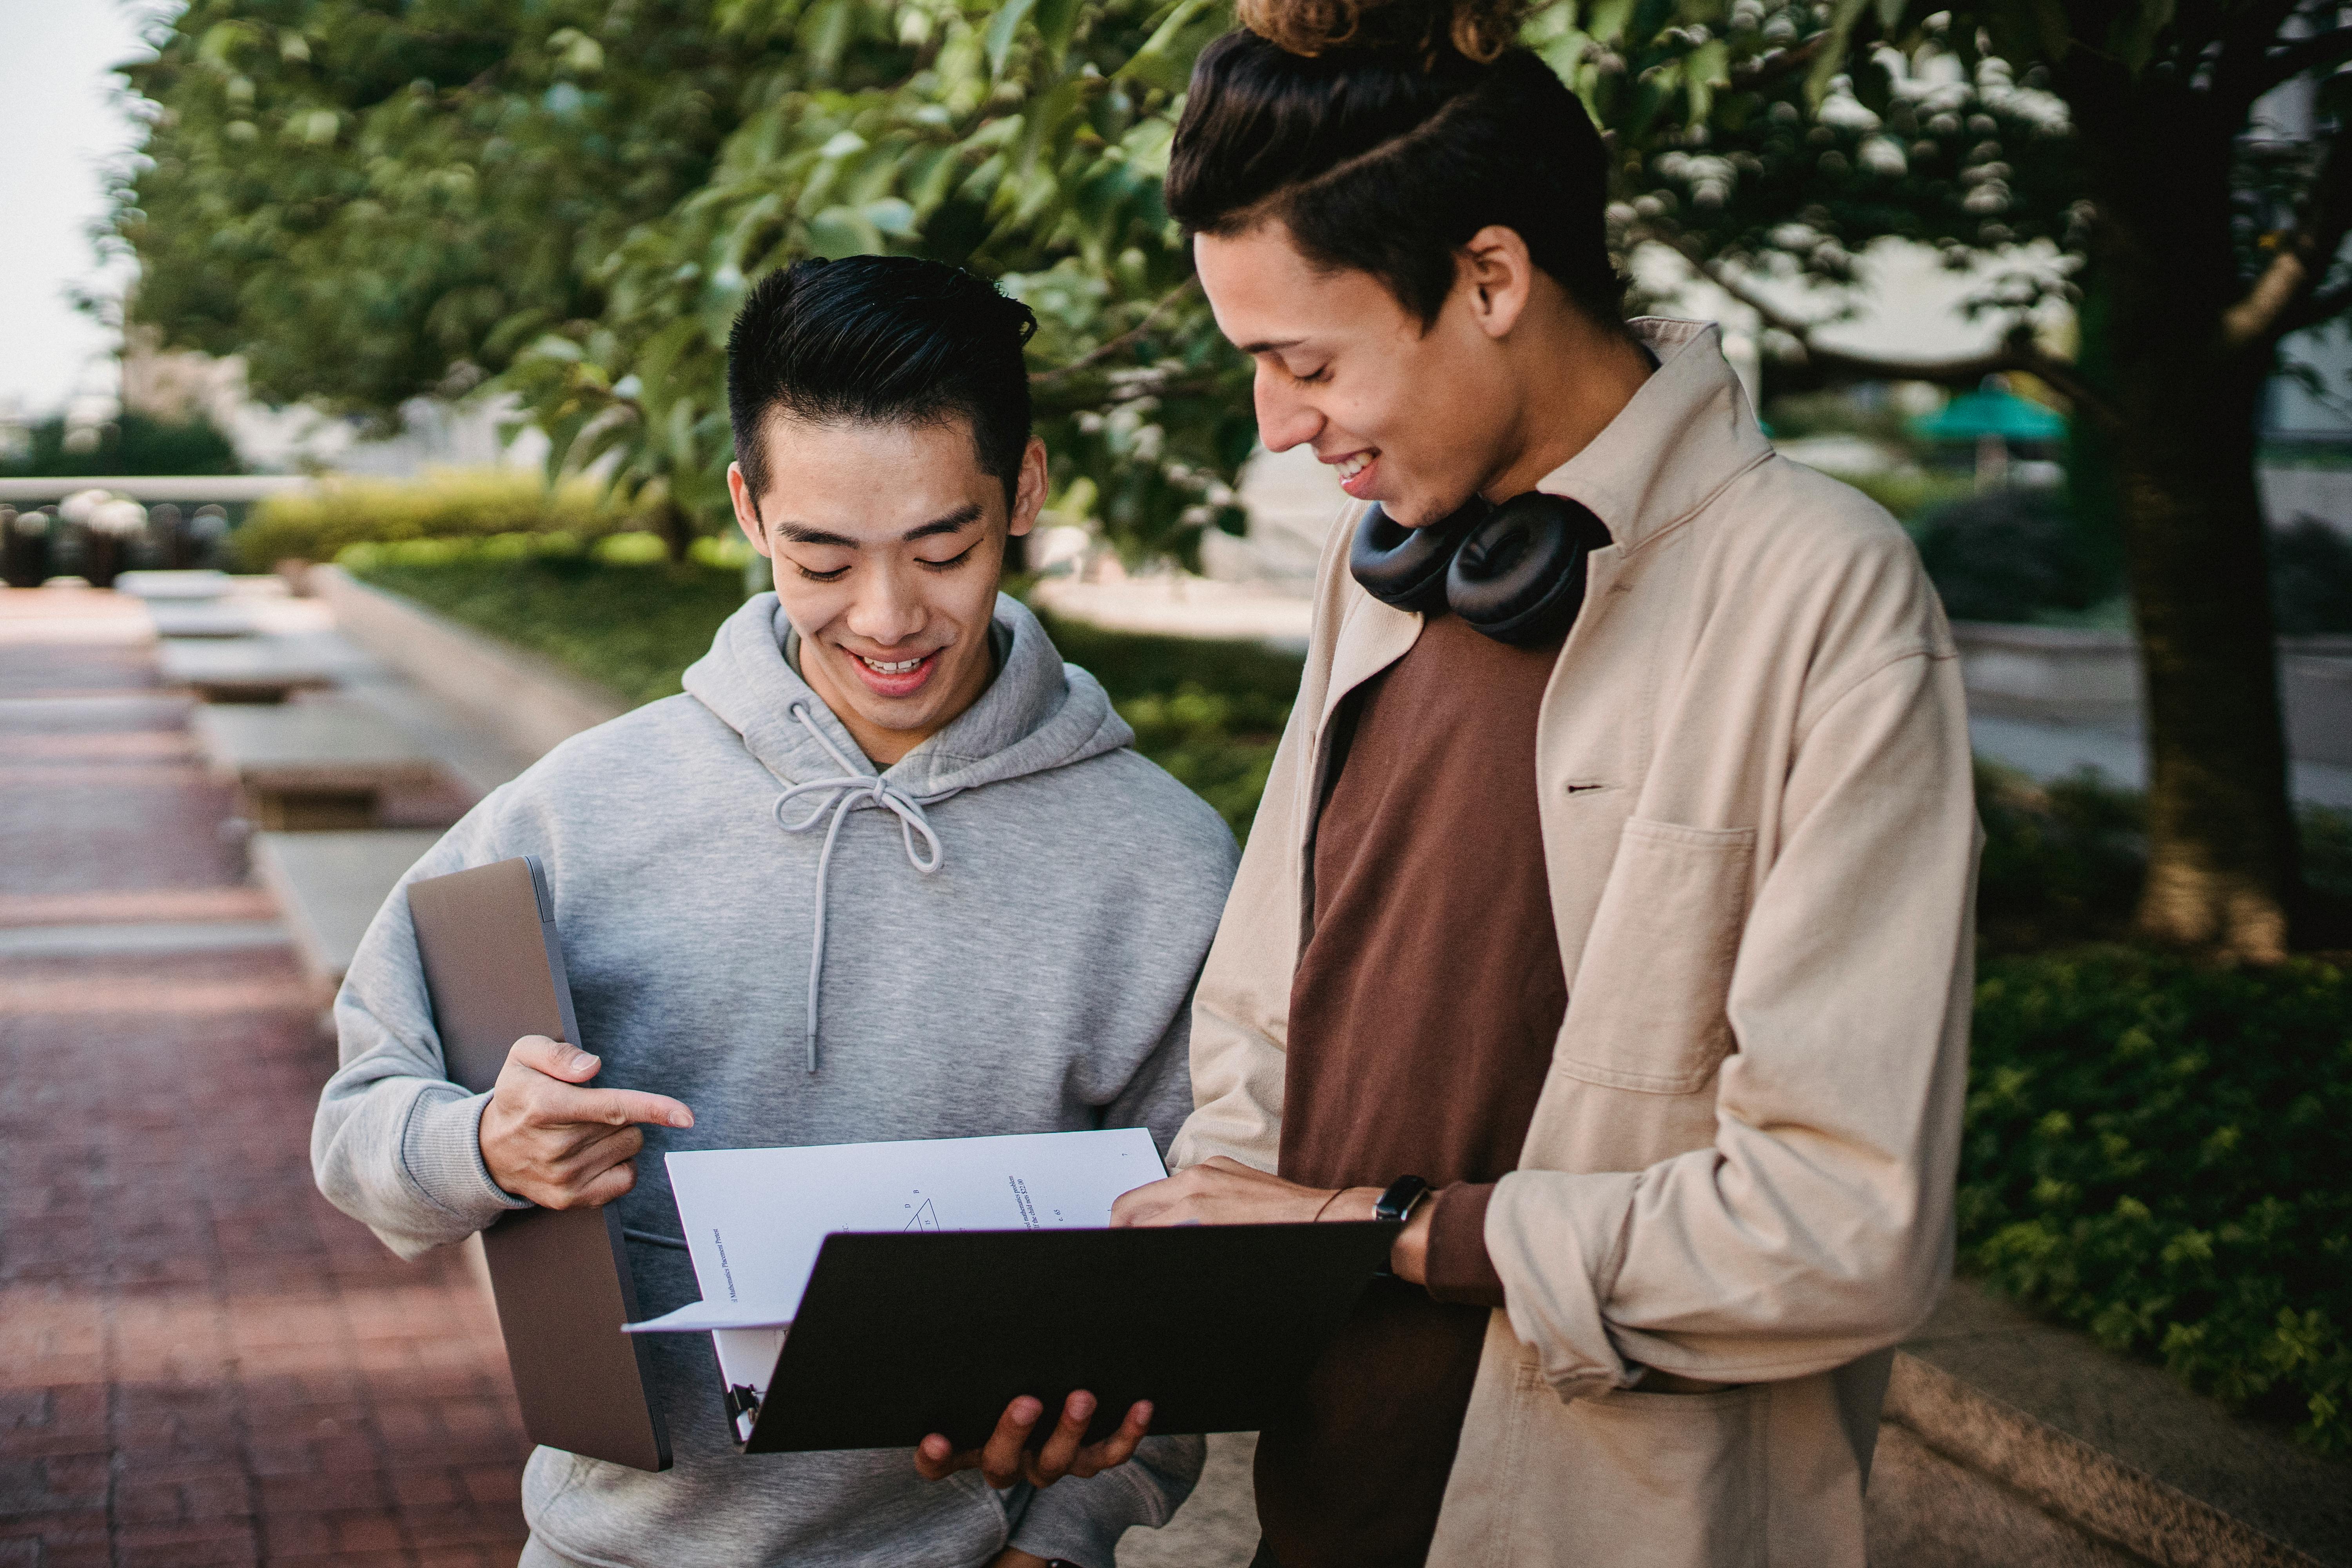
(1035, 978)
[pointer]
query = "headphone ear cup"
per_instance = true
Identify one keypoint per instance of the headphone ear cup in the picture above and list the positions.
(1404, 566)
(1518, 576)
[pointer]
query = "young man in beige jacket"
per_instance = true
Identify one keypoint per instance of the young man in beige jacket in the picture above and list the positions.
(1616, 873)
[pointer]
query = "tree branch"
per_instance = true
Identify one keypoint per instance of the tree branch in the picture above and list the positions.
(1755, 75)
(2316, 308)
(2018, 352)
(2246, 39)
(2275, 303)
(1120, 344)
(2301, 55)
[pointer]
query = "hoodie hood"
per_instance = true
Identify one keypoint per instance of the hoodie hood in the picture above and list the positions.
(1038, 714)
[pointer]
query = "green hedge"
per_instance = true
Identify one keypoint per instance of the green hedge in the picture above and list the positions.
(2161, 1153)
(321, 522)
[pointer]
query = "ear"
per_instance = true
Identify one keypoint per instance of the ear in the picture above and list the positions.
(747, 510)
(1029, 495)
(1499, 277)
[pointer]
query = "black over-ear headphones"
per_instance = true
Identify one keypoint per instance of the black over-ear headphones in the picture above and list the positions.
(1515, 572)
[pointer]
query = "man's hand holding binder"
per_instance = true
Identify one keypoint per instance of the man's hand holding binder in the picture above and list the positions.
(562, 1146)
(1006, 1457)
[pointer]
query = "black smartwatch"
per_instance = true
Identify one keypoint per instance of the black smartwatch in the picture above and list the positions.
(1399, 1201)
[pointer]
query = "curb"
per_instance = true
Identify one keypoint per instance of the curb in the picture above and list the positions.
(2072, 1481)
(530, 703)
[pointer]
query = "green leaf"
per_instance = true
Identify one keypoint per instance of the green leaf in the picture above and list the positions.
(1831, 62)
(2133, 38)
(2053, 28)
(998, 40)
(1056, 20)
(844, 231)
(894, 217)
(1607, 20)
(1156, 63)
(826, 32)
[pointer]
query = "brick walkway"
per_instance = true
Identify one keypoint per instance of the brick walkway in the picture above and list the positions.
(200, 1361)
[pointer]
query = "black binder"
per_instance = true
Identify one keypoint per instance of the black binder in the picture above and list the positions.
(901, 1335)
(560, 1279)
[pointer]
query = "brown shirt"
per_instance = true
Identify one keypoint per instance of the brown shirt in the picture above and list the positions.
(1423, 1016)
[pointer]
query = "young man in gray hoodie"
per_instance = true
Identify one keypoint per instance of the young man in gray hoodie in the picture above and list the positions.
(889, 868)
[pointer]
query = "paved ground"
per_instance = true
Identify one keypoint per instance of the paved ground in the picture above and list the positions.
(200, 1362)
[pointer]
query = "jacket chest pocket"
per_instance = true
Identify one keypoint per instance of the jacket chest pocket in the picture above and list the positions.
(1645, 1010)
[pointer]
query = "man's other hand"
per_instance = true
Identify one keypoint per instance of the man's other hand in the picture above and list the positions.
(546, 1139)
(1224, 1190)
(1006, 1457)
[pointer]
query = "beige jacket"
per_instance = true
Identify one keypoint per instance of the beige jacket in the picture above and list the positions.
(1756, 805)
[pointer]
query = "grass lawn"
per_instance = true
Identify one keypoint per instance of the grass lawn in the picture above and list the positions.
(631, 627)
(1209, 712)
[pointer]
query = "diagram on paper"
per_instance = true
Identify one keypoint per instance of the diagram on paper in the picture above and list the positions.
(770, 1210)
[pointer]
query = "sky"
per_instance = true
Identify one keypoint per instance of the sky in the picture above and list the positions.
(63, 129)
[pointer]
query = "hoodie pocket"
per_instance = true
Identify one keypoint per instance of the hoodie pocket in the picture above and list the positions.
(1646, 1010)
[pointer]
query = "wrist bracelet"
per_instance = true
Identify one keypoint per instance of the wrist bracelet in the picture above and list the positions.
(1334, 1198)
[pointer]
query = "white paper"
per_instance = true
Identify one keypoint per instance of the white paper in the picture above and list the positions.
(755, 1218)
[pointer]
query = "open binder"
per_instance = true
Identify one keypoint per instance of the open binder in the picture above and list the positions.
(901, 1335)
(561, 1277)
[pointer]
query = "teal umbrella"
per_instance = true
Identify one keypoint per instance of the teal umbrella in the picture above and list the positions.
(1975, 414)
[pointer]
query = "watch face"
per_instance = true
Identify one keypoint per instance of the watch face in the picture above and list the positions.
(1398, 1200)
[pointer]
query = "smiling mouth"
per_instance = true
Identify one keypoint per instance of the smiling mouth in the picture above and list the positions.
(1354, 463)
(893, 678)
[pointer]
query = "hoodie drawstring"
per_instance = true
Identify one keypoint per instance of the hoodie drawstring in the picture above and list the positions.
(850, 791)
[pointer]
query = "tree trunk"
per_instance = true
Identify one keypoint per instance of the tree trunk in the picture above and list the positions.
(677, 529)
(2221, 853)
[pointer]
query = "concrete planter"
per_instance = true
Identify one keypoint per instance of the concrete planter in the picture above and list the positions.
(2059, 674)
(530, 702)
(2049, 672)
(2011, 1443)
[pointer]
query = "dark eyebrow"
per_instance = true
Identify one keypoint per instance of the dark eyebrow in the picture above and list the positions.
(956, 521)
(963, 517)
(1271, 345)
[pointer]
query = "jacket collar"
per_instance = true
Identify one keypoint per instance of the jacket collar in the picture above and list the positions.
(1680, 440)
(1685, 434)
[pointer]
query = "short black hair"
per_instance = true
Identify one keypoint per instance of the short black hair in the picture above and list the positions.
(1388, 159)
(887, 339)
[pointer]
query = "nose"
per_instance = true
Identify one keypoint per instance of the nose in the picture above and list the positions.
(1284, 417)
(888, 608)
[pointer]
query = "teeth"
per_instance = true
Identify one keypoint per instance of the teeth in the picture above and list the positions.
(901, 667)
(1350, 466)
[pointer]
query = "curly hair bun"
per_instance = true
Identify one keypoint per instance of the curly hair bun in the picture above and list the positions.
(1477, 30)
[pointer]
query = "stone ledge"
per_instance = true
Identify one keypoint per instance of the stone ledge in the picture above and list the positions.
(329, 886)
(530, 703)
(2015, 1416)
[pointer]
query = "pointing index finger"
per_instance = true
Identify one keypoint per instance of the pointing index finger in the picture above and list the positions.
(618, 1108)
